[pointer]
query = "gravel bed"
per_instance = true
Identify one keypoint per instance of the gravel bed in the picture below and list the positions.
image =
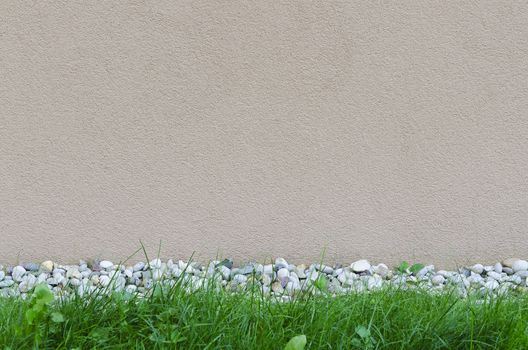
(280, 279)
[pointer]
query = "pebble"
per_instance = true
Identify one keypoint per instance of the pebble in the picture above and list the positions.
(31, 267)
(280, 263)
(139, 266)
(477, 268)
(438, 280)
(382, 270)
(154, 264)
(497, 267)
(360, 266)
(268, 269)
(105, 264)
(519, 265)
(18, 273)
(496, 276)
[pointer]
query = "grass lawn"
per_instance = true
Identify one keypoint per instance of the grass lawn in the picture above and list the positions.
(207, 319)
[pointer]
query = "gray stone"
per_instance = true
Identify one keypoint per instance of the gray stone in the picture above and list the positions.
(280, 263)
(277, 287)
(18, 273)
(131, 288)
(139, 266)
(477, 268)
(522, 274)
(240, 279)
(497, 267)
(155, 264)
(438, 280)
(509, 262)
(105, 264)
(381, 269)
(519, 265)
(6, 283)
(225, 271)
(360, 266)
(31, 266)
(491, 284)
(268, 269)
(247, 270)
(496, 276)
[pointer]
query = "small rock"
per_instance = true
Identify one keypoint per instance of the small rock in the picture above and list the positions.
(496, 276)
(360, 266)
(31, 267)
(154, 264)
(280, 263)
(497, 267)
(240, 279)
(300, 271)
(27, 284)
(491, 284)
(227, 263)
(281, 273)
(268, 269)
(477, 268)
(139, 266)
(104, 280)
(277, 287)
(2, 275)
(438, 280)
(522, 274)
(381, 269)
(247, 270)
(73, 273)
(131, 288)
(6, 283)
(509, 262)
(266, 280)
(105, 264)
(325, 269)
(18, 273)
(225, 271)
(519, 265)
(374, 282)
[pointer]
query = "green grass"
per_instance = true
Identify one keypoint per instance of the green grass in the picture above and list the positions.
(208, 319)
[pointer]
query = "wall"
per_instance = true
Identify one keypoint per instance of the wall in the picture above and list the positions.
(379, 130)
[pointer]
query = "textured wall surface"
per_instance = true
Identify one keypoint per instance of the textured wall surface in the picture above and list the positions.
(251, 129)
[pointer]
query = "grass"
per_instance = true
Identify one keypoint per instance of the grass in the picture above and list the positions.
(172, 318)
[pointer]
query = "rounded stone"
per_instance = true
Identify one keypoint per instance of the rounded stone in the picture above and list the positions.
(477, 268)
(139, 266)
(31, 266)
(282, 273)
(496, 276)
(155, 264)
(438, 280)
(280, 263)
(519, 265)
(105, 264)
(381, 269)
(497, 267)
(509, 262)
(360, 266)
(18, 273)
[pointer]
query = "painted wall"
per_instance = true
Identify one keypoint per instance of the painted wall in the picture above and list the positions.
(385, 131)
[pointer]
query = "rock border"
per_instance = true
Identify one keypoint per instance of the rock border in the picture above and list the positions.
(280, 279)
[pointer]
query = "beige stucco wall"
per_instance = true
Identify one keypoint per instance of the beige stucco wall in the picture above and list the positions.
(382, 130)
